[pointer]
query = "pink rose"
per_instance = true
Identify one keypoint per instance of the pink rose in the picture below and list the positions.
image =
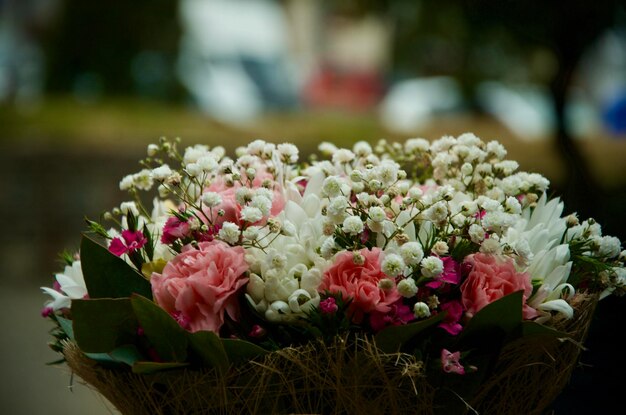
(198, 285)
(359, 283)
(490, 279)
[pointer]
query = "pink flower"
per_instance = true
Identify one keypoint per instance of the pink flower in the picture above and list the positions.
(174, 229)
(328, 306)
(451, 273)
(257, 332)
(490, 279)
(450, 362)
(398, 315)
(132, 241)
(359, 283)
(451, 322)
(199, 285)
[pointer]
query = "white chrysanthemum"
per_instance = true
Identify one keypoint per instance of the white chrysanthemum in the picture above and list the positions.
(432, 267)
(229, 232)
(72, 286)
(407, 288)
(352, 225)
(393, 265)
(412, 253)
(421, 310)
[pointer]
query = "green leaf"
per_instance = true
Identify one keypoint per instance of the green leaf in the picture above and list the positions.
(241, 351)
(108, 276)
(101, 325)
(503, 315)
(392, 338)
(209, 347)
(66, 326)
(152, 367)
(530, 328)
(162, 331)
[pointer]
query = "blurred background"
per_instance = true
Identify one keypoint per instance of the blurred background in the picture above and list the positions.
(85, 86)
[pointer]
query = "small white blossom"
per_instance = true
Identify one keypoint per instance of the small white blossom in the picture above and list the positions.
(416, 145)
(362, 148)
(407, 288)
(143, 180)
(207, 163)
(229, 232)
(251, 233)
(437, 212)
(162, 173)
(153, 149)
(432, 266)
(512, 205)
(129, 207)
(352, 225)
(327, 148)
(127, 182)
(193, 169)
(490, 246)
(211, 199)
(440, 248)
(412, 253)
(332, 186)
(288, 152)
(609, 246)
(386, 284)
(421, 310)
(377, 214)
(328, 247)
(251, 214)
(476, 233)
(342, 156)
(393, 265)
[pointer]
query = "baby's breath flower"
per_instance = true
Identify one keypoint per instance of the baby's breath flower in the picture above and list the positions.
(412, 253)
(352, 225)
(386, 284)
(162, 173)
(431, 267)
(377, 214)
(251, 233)
(211, 199)
(407, 288)
(251, 214)
(421, 310)
(343, 156)
(393, 265)
(229, 232)
(440, 248)
(129, 208)
(152, 150)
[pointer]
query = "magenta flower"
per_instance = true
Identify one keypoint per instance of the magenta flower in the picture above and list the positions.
(451, 273)
(328, 306)
(450, 362)
(174, 229)
(131, 242)
(257, 331)
(399, 314)
(451, 321)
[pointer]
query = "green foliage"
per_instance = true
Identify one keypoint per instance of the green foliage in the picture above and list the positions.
(101, 325)
(393, 338)
(162, 331)
(107, 276)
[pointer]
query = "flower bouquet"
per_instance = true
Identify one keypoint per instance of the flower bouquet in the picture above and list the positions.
(411, 277)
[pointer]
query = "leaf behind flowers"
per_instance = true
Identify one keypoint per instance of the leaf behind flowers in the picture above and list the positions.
(108, 276)
(392, 338)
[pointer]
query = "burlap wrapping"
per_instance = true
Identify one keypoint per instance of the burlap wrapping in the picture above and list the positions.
(344, 378)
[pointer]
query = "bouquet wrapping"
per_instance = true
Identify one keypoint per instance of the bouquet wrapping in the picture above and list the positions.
(414, 277)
